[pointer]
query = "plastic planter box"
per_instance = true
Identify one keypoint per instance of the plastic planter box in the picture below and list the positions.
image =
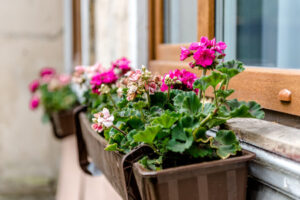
(115, 166)
(63, 123)
(214, 180)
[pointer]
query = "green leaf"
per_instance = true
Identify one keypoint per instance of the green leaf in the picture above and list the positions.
(200, 84)
(147, 136)
(224, 93)
(187, 102)
(242, 111)
(111, 147)
(208, 108)
(139, 105)
(231, 68)
(202, 151)
(215, 122)
(159, 99)
(214, 79)
(153, 164)
(226, 144)
(166, 120)
(256, 110)
(135, 122)
(181, 140)
(200, 135)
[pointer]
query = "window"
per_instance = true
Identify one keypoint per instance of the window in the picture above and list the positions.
(263, 33)
(180, 20)
(267, 40)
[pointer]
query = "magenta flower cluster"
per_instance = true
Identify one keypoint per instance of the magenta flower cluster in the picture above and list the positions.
(47, 73)
(48, 76)
(204, 52)
(185, 79)
(105, 77)
(118, 69)
(123, 64)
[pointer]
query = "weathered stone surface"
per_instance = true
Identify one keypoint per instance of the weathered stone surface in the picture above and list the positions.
(280, 139)
(31, 36)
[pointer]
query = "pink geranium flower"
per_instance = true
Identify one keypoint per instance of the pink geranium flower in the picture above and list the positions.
(97, 128)
(105, 77)
(64, 79)
(135, 75)
(122, 64)
(80, 69)
(186, 79)
(185, 53)
(34, 102)
(47, 71)
(34, 85)
(204, 57)
(102, 120)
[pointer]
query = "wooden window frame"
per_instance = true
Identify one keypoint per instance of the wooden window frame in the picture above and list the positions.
(255, 83)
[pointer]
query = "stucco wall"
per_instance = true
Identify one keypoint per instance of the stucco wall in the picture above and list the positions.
(31, 36)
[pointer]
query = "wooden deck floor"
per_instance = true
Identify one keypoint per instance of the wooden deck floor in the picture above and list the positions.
(73, 184)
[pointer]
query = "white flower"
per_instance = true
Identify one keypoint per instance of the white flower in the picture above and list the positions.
(104, 118)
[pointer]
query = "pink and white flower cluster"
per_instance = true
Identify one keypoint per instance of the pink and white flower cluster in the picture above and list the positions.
(102, 120)
(53, 80)
(85, 73)
(121, 66)
(205, 53)
(139, 82)
(96, 75)
(97, 80)
(178, 79)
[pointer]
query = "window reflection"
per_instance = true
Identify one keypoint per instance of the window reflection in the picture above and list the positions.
(180, 21)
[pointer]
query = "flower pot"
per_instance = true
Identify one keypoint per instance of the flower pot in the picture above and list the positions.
(62, 123)
(214, 180)
(115, 166)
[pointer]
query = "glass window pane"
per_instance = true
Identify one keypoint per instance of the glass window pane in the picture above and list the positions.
(263, 32)
(180, 21)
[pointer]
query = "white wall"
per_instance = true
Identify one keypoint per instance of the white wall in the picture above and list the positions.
(31, 36)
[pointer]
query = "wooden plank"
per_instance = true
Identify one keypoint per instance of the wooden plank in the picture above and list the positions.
(259, 84)
(206, 18)
(170, 52)
(76, 32)
(151, 32)
(159, 23)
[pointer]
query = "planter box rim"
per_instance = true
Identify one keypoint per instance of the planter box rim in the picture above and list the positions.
(247, 155)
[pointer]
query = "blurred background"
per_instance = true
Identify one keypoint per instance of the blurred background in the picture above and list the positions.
(34, 34)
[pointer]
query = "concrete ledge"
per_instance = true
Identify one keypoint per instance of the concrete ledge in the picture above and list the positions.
(269, 136)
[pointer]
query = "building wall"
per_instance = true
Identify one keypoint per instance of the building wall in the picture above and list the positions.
(111, 30)
(31, 36)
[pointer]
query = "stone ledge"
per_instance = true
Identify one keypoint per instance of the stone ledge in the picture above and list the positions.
(280, 139)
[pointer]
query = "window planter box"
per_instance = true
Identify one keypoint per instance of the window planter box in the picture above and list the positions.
(115, 166)
(220, 179)
(63, 123)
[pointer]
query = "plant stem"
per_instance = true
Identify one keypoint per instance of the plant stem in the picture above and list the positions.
(142, 115)
(119, 130)
(169, 88)
(148, 99)
(200, 91)
(112, 100)
(208, 117)
(154, 149)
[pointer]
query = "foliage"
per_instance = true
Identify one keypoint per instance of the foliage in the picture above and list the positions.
(53, 91)
(174, 123)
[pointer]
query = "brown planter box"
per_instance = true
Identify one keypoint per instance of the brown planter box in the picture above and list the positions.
(63, 123)
(214, 180)
(115, 166)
